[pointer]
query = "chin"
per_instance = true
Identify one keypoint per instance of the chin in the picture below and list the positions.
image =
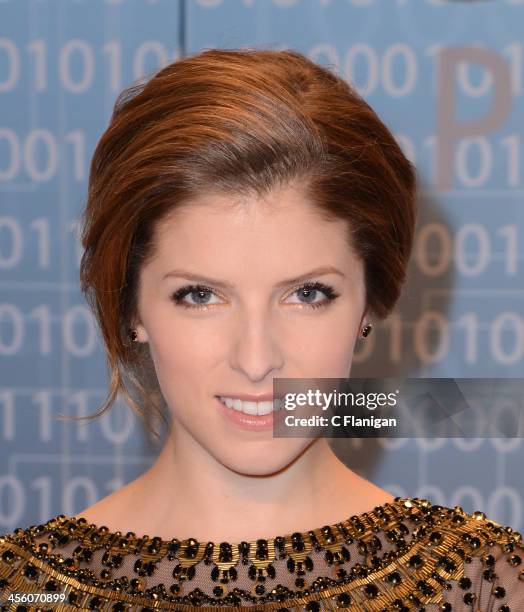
(259, 459)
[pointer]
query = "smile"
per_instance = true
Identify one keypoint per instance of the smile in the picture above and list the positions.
(252, 408)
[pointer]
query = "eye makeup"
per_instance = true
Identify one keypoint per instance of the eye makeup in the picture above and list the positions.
(307, 289)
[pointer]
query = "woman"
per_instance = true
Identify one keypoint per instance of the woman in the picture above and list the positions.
(248, 215)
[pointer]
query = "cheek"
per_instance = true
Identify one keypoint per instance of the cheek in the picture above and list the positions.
(326, 347)
(181, 353)
(332, 361)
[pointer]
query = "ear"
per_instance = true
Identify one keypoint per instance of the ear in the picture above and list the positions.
(141, 331)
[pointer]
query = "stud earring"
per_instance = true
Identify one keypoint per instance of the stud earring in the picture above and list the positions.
(133, 335)
(366, 330)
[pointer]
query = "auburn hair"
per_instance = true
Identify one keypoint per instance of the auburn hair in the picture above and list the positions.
(235, 121)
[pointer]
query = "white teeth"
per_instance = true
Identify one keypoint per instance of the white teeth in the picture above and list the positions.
(248, 407)
(236, 404)
(253, 408)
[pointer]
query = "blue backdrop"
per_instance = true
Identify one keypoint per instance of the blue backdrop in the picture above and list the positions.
(446, 76)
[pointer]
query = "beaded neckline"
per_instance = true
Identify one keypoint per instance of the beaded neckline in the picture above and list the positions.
(361, 524)
(360, 567)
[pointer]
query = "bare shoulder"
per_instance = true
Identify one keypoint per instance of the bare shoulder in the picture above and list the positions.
(104, 512)
(114, 510)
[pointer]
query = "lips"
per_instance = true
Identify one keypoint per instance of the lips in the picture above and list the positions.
(251, 422)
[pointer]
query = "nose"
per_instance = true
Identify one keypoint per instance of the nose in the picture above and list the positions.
(256, 353)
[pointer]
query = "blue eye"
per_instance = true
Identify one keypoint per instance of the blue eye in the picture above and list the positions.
(310, 291)
(200, 294)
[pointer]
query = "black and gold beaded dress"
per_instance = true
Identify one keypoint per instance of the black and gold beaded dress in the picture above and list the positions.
(409, 554)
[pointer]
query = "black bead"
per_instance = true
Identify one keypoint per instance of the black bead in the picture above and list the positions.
(225, 552)
(30, 571)
(8, 555)
(392, 535)
(425, 587)
(394, 577)
(312, 606)
(465, 582)
(489, 560)
(499, 592)
(371, 590)
(51, 585)
(344, 599)
(298, 545)
(173, 546)
(474, 542)
(191, 552)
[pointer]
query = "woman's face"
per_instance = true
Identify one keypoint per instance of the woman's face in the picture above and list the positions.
(221, 317)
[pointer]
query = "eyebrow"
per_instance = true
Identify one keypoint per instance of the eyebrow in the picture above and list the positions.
(197, 277)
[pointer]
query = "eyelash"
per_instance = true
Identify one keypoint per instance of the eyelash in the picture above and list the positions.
(180, 294)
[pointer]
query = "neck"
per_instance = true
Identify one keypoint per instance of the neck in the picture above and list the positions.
(194, 495)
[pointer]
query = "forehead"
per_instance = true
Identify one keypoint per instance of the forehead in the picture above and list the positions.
(252, 241)
(283, 212)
